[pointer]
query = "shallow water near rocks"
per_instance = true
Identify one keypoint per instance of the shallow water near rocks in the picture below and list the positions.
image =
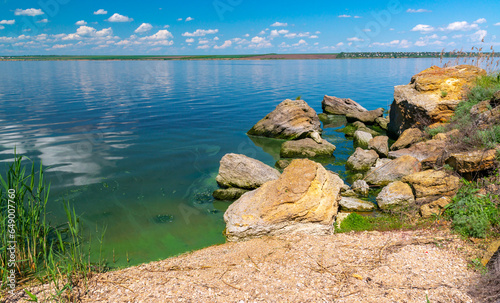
(135, 145)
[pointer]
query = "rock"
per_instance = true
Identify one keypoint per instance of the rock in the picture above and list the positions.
(407, 138)
(355, 204)
(283, 163)
(231, 193)
(365, 116)
(292, 119)
(359, 124)
(395, 195)
(382, 122)
(380, 144)
(340, 106)
(345, 188)
(496, 99)
(306, 148)
(304, 199)
(349, 193)
(434, 208)
(361, 188)
(362, 139)
(480, 108)
(244, 172)
(421, 150)
(332, 121)
(393, 171)
(381, 161)
(316, 137)
(431, 96)
(361, 160)
(431, 183)
(475, 161)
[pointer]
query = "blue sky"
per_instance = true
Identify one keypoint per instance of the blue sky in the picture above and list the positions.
(202, 27)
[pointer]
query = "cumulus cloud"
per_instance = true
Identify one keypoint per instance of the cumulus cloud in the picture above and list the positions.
(190, 40)
(57, 46)
(259, 42)
(145, 27)
(420, 10)
(43, 21)
(2, 27)
(479, 35)
(100, 12)
(497, 24)
(81, 22)
(276, 33)
(119, 18)
(226, 44)
(461, 26)
(28, 12)
(279, 24)
(9, 22)
(423, 28)
(205, 46)
(357, 17)
(189, 19)
(480, 21)
(160, 35)
(201, 33)
(313, 37)
(355, 39)
(301, 42)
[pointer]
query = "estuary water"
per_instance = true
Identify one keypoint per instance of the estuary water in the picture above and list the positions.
(135, 146)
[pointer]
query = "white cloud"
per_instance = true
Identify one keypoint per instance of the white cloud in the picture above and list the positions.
(57, 46)
(201, 33)
(85, 30)
(420, 10)
(479, 35)
(189, 19)
(461, 26)
(203, 41)
(166, 26)
(180, 19)
(119, 18)
(259, 42)
(2, 27)
(190, 40)
(216, 39)
(160, 35)
(367, 30)
(100, 12)
(497, 24)
(276, 24)
(206, 46)
(145, 27)
(457, 36)
(9, 22)
(81, 22)
(226, 44)
(340, 44)
(313, 37)
(355, 39)
(28, 12)
(357, 17)
(423, 28)
(420, 43)
(246, 35)
(43, 21)
(276, 33)
(480, 21)
(302, 42)
(345, 16)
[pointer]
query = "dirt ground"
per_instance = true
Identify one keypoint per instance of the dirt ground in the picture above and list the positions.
(396, 266)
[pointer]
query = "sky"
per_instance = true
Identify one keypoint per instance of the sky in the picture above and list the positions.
(221, 27)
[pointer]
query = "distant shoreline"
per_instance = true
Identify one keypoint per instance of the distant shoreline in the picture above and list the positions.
(361, 55)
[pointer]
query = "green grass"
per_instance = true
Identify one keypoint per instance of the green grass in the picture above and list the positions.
(472, 214)
(44, 252)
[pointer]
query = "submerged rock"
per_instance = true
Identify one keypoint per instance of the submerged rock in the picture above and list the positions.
(332, 121)
(244, 172)
(292, 119)
(231, 193)
(305, 198)
(355, 204)
(431, 96)
(394, 170)
(306, 148)
(407, 138)
(362, 139)
(365, 116)
(340, 106)
(361, 160)
(395, 196)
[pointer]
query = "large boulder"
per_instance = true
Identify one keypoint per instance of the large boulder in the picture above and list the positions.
(340, 106)
(407, 138)
(305, 198)
(395, 195)
(394, 170)
(306, 148)
(380, 144)
(355, 204)
(421, 150)
(474, 161)
(431, 183)
(361, 160)
(362, 139)
(244, 172)
(365, 116)
(431, 96)
(292, 119)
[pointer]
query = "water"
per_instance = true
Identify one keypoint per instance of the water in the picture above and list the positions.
(135, 145)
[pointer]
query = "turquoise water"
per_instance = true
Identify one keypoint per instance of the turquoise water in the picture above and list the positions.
(135, 146)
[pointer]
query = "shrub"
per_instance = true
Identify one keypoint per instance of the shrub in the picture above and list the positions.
(473, 215)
